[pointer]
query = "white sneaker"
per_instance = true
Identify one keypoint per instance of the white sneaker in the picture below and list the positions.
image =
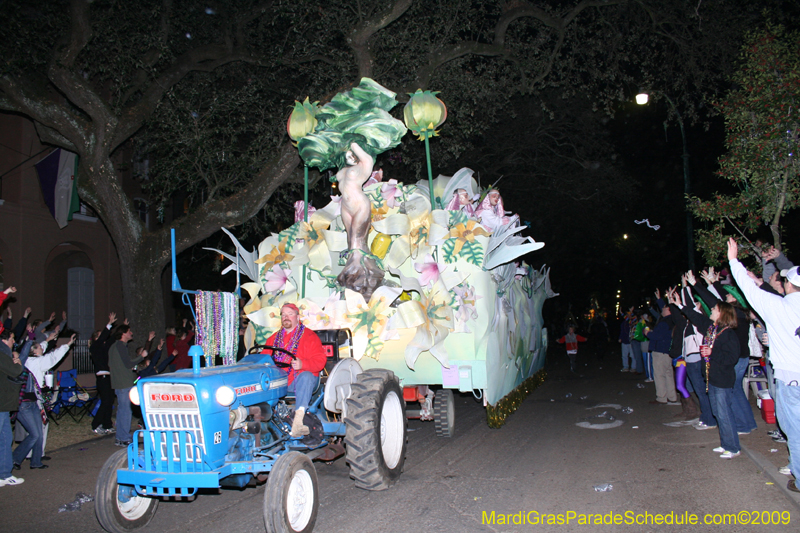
(701, 426)
(718, 449)
(624, 370)
(785, 470)
(11, 480)
(729, 455)
(648, 380)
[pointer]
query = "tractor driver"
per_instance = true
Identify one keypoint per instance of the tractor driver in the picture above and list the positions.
(310, 359)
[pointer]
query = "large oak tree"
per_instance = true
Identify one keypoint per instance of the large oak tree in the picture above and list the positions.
(208, 85)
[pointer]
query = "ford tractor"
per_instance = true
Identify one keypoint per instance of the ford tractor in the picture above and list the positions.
(230, 426)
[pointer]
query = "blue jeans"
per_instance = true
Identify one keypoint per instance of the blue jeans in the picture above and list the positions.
(123, 415)
(787, 410)
(694, 373)
(30, 416)
(637, 355)
(627, 353)
(303, 387)
(6, 440)
(721, 400)
(745, 422)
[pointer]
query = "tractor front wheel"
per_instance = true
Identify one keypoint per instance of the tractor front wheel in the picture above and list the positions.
(291, 499)
(118, 508)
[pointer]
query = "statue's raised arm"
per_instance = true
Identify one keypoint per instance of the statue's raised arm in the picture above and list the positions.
(356, 209)
(361, 273)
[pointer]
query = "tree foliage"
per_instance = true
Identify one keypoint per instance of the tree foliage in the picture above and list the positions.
(203, 89)
(761, 162)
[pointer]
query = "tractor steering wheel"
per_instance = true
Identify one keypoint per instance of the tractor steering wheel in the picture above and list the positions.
(258, 348)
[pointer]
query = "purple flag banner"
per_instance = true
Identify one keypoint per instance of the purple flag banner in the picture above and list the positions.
(57, 173)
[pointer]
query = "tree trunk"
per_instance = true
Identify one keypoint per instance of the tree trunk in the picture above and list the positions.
(143, 254)
(775, 226)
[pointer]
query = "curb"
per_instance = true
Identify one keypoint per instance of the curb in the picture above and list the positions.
(772, 473)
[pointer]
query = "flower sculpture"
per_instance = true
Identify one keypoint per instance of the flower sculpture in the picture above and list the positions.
(315, 251)
(276, 279)
(429, 270)
(276, 256)
(332, 314)
(303, 120)
(431, 317)
(368, 321)
(390, 192)
(462, 242)
(424, 113)
(465, 310)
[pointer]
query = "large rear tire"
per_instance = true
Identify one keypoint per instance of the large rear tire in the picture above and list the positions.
(376, 430)
(444, 413)
(118, 508)
(291, 499)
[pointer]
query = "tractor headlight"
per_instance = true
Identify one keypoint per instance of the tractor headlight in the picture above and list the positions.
(225, 396)
(134, 395)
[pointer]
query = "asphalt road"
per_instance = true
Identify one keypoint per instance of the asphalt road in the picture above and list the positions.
(541, 461)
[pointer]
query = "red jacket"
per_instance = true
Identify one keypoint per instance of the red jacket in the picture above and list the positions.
(572, 343)
(182, 360)
(309, 352)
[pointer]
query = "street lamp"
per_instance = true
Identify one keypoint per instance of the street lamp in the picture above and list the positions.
(642, 99)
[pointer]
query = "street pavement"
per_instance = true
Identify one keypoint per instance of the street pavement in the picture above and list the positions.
(540, 462)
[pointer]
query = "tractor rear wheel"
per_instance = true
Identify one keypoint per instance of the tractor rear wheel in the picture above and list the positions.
(376, 430)
(444, 413)
(291, 499)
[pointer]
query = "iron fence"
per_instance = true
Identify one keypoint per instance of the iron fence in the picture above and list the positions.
(81, 360)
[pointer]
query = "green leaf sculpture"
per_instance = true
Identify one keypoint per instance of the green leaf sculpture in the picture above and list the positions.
(359, 115)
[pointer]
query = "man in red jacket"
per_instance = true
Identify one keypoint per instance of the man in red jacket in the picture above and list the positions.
(309, 360)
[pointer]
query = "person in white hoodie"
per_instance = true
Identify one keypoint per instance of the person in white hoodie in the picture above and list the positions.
(31, 408)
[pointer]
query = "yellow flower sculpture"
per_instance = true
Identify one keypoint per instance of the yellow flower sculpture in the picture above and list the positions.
(379, 213)
(431, 316)
(465, 233)
(276, 256)
(368, 321)
(315, 251)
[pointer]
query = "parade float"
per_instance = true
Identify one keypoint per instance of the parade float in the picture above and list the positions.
(429, 285)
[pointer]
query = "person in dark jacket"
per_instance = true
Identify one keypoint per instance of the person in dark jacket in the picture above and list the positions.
(720, 353)
(98, 350)
(743, 413)
(10, 367)
(660, 340)
(690, 410)
(122, 378)
(153, 364)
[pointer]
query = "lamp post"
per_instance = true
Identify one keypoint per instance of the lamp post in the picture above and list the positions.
(642, 99)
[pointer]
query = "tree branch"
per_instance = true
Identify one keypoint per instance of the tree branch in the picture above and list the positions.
(445, 55)
(359, 36)
(80, 34)
(206, 58)
(235, 209)
(31, 98)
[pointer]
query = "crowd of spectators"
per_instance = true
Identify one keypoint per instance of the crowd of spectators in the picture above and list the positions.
(29, 351)
(703, 338)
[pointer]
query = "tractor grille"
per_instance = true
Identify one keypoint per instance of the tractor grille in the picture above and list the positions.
(174, 407)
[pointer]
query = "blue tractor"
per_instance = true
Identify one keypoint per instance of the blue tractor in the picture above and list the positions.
(230, 426)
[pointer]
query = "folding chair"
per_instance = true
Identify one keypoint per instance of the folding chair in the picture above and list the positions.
(72, 399)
